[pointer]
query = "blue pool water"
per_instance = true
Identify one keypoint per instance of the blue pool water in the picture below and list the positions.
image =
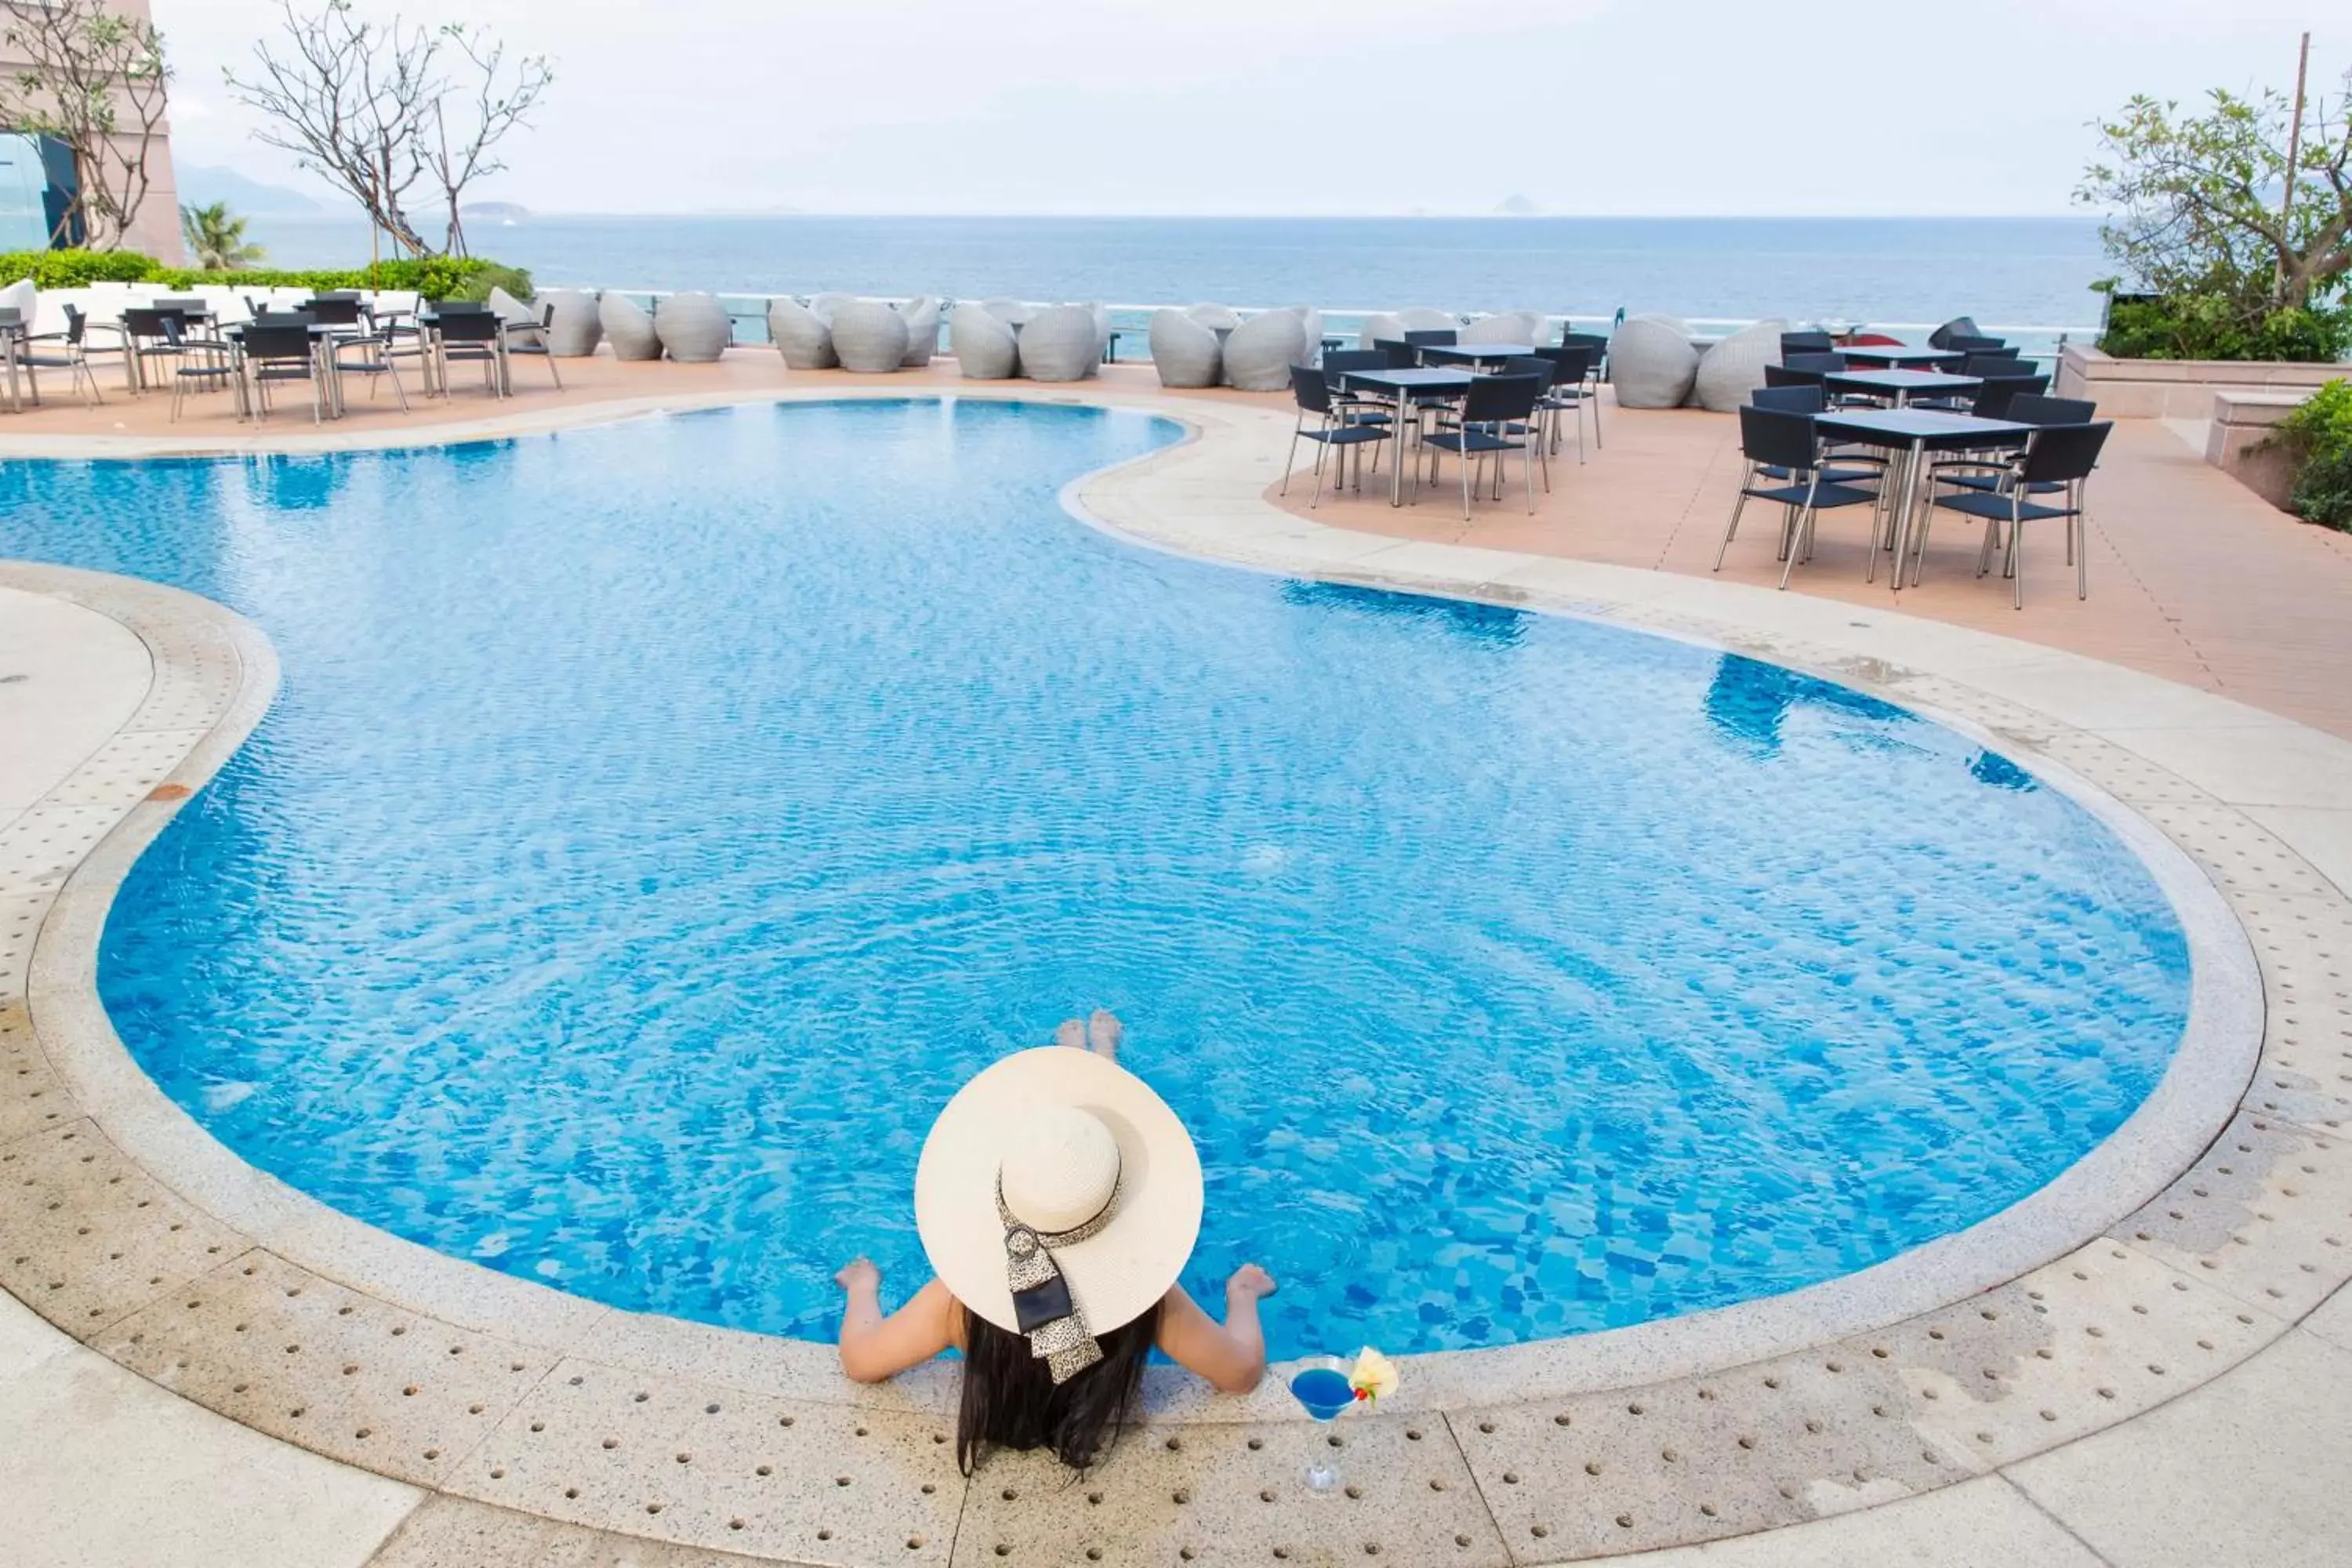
(660, 822)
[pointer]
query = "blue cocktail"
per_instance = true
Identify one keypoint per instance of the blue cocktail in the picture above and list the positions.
(1322, 1387)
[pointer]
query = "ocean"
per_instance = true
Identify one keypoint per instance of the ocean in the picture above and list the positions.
(2006, 272)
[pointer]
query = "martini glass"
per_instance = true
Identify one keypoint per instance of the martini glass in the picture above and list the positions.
(1323, 1388)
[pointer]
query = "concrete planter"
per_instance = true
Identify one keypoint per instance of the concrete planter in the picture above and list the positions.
(2178, 388)
(2238, 441)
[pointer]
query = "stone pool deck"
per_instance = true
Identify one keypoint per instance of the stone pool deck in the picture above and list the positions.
(201, 1367)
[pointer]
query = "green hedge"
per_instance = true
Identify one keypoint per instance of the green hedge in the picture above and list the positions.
(2218, 326)
(439, 278)
(2319, 434)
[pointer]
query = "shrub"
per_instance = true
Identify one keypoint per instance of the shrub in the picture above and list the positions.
(2217, 325)
(437, 278)
(2319, 434)
(75, 269)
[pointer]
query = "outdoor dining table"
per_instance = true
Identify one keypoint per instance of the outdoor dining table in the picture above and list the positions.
(1899, 356)
(1901, 386)
(1404, 385)
(1910, 434)
(1474, 353)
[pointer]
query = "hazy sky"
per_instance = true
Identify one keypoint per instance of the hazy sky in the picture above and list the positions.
(1309, 106)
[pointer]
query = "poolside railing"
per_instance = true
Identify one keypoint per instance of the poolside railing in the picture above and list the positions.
(1131, 322)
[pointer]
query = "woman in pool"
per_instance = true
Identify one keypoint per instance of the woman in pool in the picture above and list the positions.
(1057, 1198)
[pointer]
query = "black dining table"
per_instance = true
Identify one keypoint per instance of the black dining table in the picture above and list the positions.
(1910, 434)
(1902, 385)
(1902, 356)
(1404, 385)
(1474, 353)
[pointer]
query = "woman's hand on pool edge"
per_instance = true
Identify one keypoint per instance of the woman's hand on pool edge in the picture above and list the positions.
(1251, 1282)
(857, 1272)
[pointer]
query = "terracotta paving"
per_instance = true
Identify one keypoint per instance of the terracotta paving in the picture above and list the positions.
(2193, 577)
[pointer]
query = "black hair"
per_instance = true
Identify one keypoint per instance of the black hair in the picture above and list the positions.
(1010, 1400)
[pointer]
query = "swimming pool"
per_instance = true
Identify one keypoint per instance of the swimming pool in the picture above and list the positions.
(660, 822)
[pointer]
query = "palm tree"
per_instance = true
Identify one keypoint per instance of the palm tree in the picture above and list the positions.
(215, 240)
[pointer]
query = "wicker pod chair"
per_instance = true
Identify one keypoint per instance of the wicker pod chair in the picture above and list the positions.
(1426, 318)
(628, 329)
(824, 305)
(1059, 344)
(574, 330)
(1183, 351)
(1216, 317)
(1733, 368)
(693, 327)
(1508, 327)
(1387, 326)
(984, 346)
(1012, 313)
(1310, 321)
(923, 314)
(868, 336)
(801, 336)
(1261, 351)
(1652, 363)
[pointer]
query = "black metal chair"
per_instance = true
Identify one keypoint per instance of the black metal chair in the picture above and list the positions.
(1805, 397)
(1401, 355)
(2005, 362)
(332, 311)
(1497, 418)
(477, 336)
(1364, 406)
(1988, 471)
(1807, 344)
(2058, 458)
(1573, 390)
(73, 354)
(1433, 337)
(279, 354)
(150, 335)
(1969, 345)
(1599, 343)
(1784, 446)
(368, 350)
(1335, 432)
(531, 337)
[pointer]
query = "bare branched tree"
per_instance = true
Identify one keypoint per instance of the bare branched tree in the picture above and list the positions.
(95, 82)
(501, 99)
(364, 105)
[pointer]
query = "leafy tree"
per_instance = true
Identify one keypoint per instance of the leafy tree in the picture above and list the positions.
(2199, 203)
(215, 240)
(96, 81)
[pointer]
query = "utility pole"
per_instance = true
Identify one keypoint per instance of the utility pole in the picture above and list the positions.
(2294, 156)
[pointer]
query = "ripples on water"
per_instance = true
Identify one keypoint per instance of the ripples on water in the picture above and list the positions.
(658, 823)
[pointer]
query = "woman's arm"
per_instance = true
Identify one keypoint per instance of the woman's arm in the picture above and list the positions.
(874, 1347)
(1232, 1354)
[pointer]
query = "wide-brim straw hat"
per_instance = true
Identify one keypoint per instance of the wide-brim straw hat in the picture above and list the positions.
(1037, 1119)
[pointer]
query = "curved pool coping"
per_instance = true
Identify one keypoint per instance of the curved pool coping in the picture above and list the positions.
(1204, 496)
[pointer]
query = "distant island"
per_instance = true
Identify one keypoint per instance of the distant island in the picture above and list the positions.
(201, 184)
(494, 212)
(1516, 206)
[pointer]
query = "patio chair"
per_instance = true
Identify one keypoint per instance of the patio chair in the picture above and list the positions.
(868, 337)
(985, 345)
(1336, 430)
(149, 337)
(1598, 372)
(473, 337)
(1729, 370)
(627, 328)
(572, 327)
(1058, 344)
(1432, 337)
(1967, 343)
(533, 337)
(1506, 327)
(693, 327)
(2058, 459)
(1497, 418)
(275, 354)
(923, 314)
(1807, 344)
(1959, 326)
(1184, 352)
(72, 354)
(802, 337)
(1988, 469)
(1572, 391)
(1785, 449)
(369, 353)
(1651, 362)
(1260, 352)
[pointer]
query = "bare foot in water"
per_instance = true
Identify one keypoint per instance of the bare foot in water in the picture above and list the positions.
(1105, 1030)
(1072, 1034)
